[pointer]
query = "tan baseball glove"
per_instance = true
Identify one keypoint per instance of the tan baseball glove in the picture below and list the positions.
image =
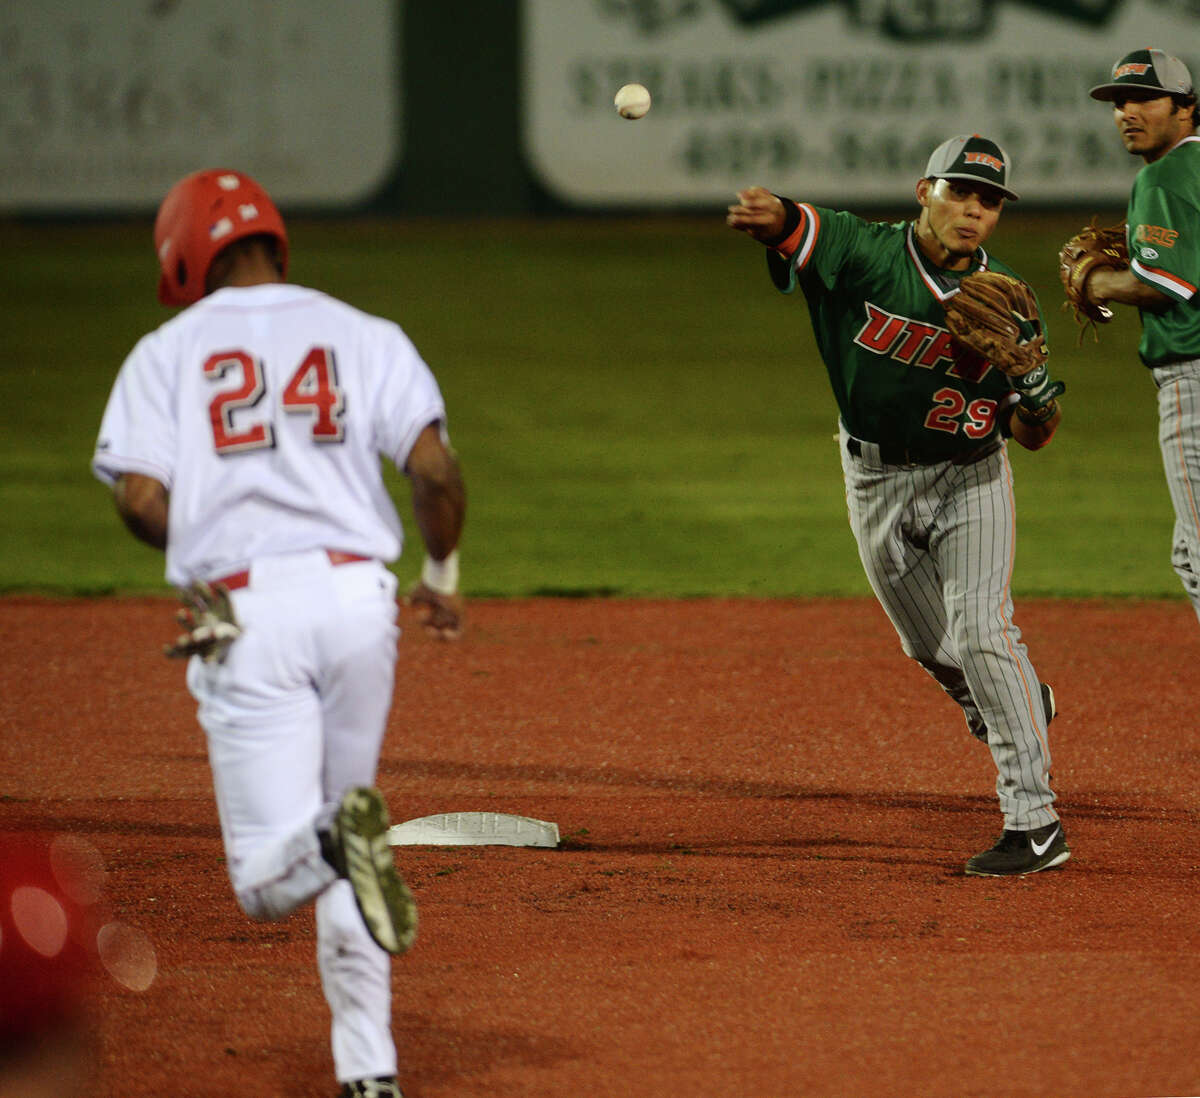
(996, 316)
(1088, 249)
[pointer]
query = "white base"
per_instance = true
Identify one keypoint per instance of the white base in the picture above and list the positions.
(474, 829)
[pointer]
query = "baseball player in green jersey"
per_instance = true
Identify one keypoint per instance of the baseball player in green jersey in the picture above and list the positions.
(922, 431)
(1154, 107)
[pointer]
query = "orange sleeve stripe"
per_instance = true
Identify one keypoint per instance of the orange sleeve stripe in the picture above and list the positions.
(814, 222)
(1182, 283)
(1166, 280)
(788, 248)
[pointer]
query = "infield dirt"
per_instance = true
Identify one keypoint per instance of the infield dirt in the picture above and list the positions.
(765, 809)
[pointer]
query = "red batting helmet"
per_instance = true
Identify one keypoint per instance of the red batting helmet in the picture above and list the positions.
(203, 213)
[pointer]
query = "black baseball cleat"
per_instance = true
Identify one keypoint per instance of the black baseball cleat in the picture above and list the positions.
(1021, 852)
(1048, 706)
(383, 1087)
(357, 847)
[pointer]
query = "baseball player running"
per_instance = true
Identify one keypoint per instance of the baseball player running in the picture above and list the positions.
(243, 438)
(922, 430)
(1157, 269)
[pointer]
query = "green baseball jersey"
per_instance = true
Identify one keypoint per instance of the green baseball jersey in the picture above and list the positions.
(1163, 223)
(877, 304)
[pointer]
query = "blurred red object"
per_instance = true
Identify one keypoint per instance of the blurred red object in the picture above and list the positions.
(49, 893)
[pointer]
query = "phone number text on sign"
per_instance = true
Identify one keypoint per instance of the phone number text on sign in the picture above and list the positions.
(839, 160)
(834, 128)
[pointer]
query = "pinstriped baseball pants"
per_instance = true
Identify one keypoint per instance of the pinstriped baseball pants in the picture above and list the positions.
(937, 543)
(1179, 439)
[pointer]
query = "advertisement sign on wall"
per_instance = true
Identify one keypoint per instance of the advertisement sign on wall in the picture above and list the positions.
(103, 106)
(831, 100)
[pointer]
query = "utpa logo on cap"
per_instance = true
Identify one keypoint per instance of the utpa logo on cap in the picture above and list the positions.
(970, 156)
(1147, 70)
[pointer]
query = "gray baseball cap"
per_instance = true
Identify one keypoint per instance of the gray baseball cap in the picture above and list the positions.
(1146, 71)
(970, 156)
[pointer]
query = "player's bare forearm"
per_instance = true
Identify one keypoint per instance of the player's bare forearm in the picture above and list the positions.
(438, 492)
(1032, 433)
(759, 213)
(142, 504)
(439, 506)
(1105, 285)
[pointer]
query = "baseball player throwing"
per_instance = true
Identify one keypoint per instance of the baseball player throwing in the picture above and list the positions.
(1157, 269)
(922, 437)
(243, 438)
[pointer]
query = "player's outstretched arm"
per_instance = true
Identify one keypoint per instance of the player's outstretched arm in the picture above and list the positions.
(439, 506)
(142, 504)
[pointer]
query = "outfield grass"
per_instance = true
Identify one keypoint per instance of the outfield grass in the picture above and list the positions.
(637, 411)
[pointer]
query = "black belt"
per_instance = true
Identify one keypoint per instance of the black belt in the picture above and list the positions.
(898, 455)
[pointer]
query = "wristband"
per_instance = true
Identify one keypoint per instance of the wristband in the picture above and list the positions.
(791, 222)
(441, 575)
(1040, 397)
(1035, 417)
(1035, 389)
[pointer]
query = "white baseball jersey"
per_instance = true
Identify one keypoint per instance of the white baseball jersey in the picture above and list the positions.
(263, 410)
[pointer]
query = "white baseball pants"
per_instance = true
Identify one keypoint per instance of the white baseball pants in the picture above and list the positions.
(294, 716)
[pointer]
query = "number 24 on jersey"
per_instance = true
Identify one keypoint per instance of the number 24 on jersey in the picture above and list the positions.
(313, 390)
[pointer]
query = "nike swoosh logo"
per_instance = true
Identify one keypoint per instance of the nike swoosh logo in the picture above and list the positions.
(1040, 850)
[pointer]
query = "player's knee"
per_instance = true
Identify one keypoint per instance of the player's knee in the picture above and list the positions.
(971, 625)
(256, 903)
(264, 901)
(934, 660)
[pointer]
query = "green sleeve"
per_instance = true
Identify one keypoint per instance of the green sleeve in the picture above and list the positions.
(1164, 237)
(826, 242)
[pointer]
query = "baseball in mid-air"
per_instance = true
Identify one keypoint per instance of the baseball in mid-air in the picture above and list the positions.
(632, 101)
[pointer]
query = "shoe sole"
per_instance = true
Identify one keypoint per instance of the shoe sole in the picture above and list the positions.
(384, 901)
(1057, 860)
